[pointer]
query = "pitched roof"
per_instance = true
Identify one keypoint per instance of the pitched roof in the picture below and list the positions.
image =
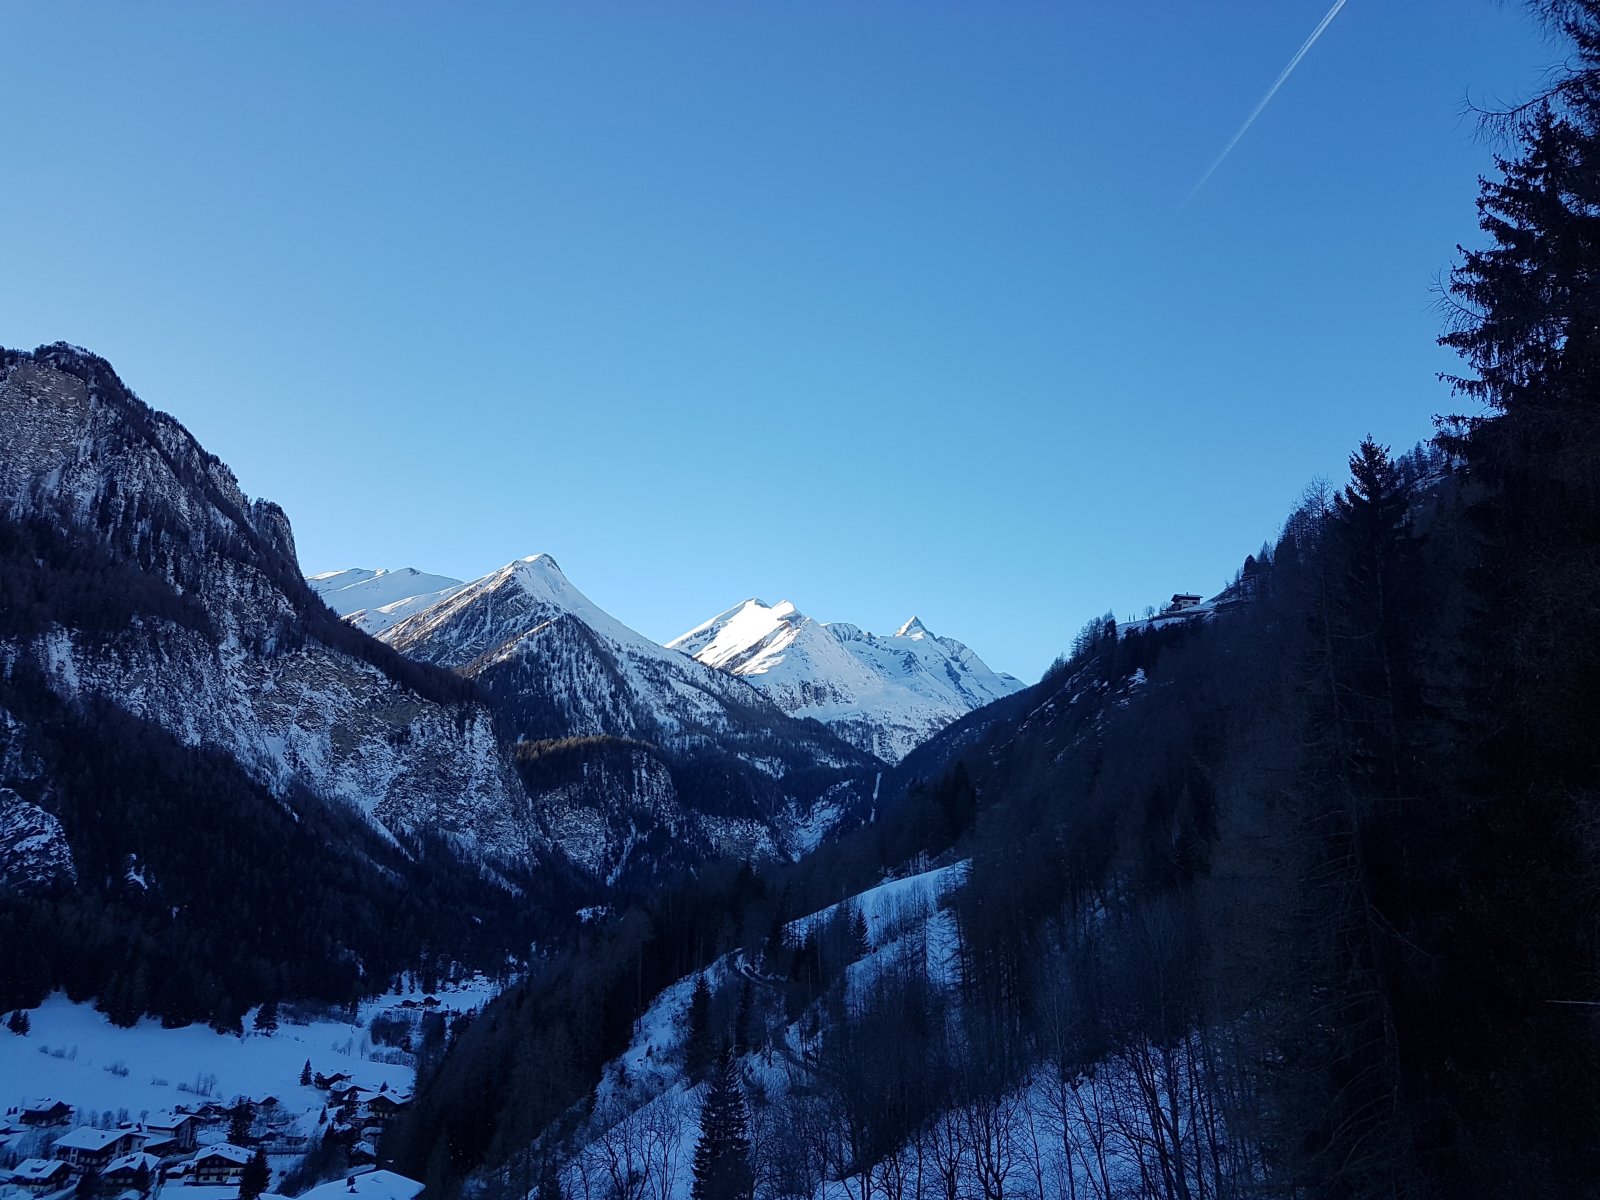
(166, 1120)
(86, 1138)
(224, 1150)
(37, 1168)
(132, 1162)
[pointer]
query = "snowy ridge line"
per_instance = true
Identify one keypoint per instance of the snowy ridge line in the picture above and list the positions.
(886, 694)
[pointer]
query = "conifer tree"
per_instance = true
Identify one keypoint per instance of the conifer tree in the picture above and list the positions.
(698, 1046)
(859, 942)
(255, 1177)
(239, 1122)
(741, 1020)
(1514, 944)
(722, 1153)
(267, 1018)
(305, 1074)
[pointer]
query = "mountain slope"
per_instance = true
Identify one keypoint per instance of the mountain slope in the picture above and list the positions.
(883, 694)
(161, 655)
(603, 679)
(375, 600)
(716, 766)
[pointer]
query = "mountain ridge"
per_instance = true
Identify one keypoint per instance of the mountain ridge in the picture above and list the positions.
(885, 694)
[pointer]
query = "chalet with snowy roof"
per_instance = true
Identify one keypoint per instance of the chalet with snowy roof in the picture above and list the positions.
(162, 1147)
(91, 1149)
(40, 1175)
(219, 1165)
(175, 1128)
(48, 1111)
(329, 1082)
(350, 1096)
(137, 1171)
(385, 1106)
(1182, 601)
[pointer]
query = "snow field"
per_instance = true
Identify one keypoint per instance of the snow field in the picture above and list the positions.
(74, 1054)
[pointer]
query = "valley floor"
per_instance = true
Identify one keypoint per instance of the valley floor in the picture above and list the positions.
(115, 1077)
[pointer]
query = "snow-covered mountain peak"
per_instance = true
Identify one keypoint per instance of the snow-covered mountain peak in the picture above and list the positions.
(731, 634)
(375, 600)
(886, 694)
(539, 574)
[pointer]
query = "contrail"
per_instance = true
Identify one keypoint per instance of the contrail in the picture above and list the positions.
(1267, 99)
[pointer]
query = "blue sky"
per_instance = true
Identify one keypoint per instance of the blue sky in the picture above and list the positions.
(883, 308)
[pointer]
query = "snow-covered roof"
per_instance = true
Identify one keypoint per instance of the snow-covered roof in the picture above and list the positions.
(32, 1169)
(224, 1150)
(166, 1120)
(45, 1104)
(369, 1185)
(212, 1191)
(86, 1138)
(132, 1162)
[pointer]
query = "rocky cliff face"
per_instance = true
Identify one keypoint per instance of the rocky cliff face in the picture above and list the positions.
(716, 769)
(34, 854)
(191, 613)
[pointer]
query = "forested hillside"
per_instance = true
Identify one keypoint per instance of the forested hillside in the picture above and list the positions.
(1292, 898)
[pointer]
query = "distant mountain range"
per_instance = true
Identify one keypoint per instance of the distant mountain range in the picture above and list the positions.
(883, 694)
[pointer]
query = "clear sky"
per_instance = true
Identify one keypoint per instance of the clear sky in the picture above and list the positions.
(883, 308)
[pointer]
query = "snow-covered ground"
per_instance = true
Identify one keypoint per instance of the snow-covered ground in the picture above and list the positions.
(73, 1054)
(893, 903)
(645, 1119)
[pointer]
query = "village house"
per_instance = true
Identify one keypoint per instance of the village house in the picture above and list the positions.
(329, 1082)
(219, 1165)
(383, 1107)
(47, 1111)
(91, 1149)
(40, 1175)
(351, 1101)
(137, 1171)
(162, 1147)
(1182, 601)
(174, 1132)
